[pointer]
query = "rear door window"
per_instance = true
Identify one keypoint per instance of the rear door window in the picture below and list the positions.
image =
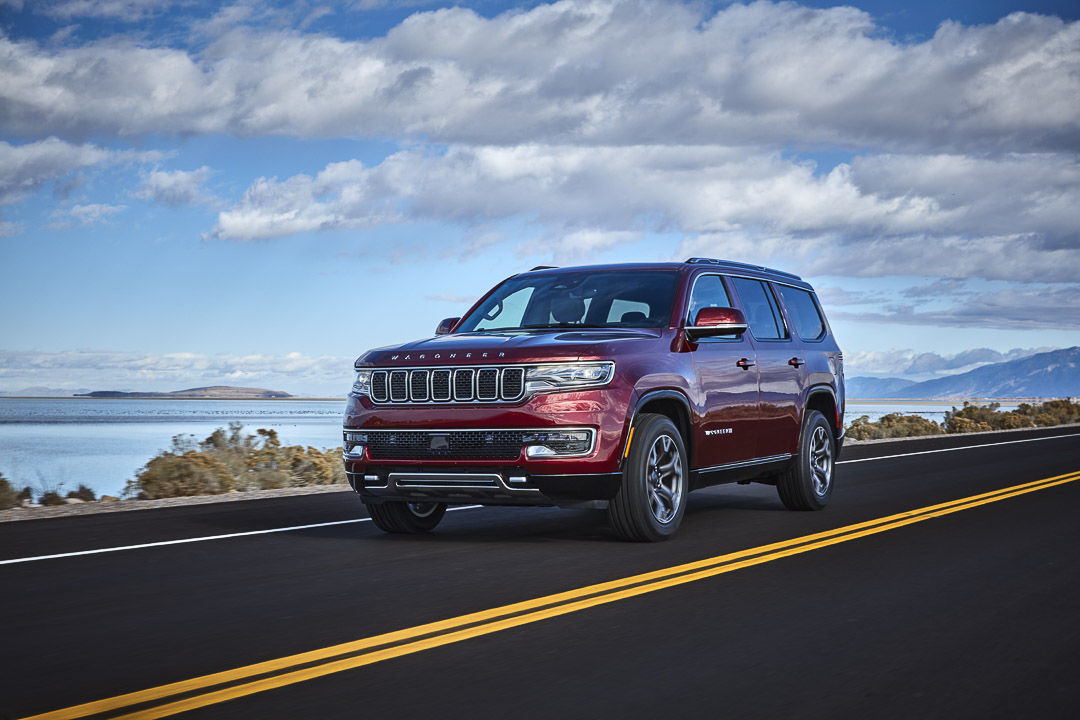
(762, 312)
(804, 313)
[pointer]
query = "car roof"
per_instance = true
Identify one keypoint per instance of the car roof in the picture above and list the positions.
(726, 267)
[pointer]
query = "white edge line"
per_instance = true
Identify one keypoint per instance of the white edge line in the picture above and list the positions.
(463, 507)
(963, 447)
(200, 539)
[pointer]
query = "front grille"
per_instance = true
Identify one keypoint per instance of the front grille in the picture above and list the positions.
(451, 445)
(439, 385)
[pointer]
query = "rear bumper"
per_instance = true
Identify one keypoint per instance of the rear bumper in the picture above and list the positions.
(484, 485)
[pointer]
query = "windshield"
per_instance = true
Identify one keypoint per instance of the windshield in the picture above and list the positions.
(577, 299)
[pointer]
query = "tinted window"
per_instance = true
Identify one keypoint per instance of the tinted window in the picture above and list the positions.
(509, 312)
(803, 312)
(577, 299)
(708, 291)
(627, 311)
(760, 307)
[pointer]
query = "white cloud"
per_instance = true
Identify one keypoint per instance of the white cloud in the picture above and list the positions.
(107, 370)
(874, 217)
(579, 71)
(176, 187)
(82, 215)
(25, 168)
(127, 10)
(93, 212)
(1030, 308)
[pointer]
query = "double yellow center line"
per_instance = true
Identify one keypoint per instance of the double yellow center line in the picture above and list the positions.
(166, 700)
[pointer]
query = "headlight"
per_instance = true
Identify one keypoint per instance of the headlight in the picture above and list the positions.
(362, 384)
(568, 376)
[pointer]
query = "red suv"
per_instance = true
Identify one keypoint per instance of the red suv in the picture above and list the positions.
(616, 386)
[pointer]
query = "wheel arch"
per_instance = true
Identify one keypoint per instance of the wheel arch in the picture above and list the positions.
(823, 399)
(670, 403)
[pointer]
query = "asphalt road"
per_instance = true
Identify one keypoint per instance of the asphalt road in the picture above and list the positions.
(966, 610)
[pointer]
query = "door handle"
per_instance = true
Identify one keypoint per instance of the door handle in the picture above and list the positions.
(746, 363)
(796, 362)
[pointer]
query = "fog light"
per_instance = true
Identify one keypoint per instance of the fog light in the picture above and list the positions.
(355, 442)
(537, 451)
(558, 443)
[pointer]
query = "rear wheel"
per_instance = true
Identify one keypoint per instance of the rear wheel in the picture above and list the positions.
(651, 501)
(406, 517)
(807, 484)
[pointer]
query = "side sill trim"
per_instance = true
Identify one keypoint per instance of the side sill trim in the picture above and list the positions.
(745, 463)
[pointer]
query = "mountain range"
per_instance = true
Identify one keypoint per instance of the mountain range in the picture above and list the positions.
(1045, 375)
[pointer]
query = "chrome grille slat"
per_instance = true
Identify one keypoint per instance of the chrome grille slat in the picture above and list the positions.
(418, 385)
(440, 385)
(487, 384)
(379, 386)
(513, 383)
(463, 384)
(399, 386)
(471, 384)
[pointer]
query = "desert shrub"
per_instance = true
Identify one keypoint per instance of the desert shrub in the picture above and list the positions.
(984, 418)
(83, 493)
(172, 475)
(1052, 412)
(311, 466)
(893, 425)
(51, 498)
(9, 498)
(250, 461)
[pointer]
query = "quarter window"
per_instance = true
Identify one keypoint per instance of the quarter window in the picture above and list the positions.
(709, 291)
(803, 312)
(762, 313)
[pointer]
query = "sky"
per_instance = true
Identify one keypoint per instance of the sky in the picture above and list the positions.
(254, 194)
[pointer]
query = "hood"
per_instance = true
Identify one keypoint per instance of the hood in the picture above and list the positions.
(510, 347)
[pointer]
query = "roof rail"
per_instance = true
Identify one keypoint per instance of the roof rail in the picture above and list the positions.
(544, 267)
(744, 266)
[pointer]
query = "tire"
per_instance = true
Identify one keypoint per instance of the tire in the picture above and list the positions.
(404, 517)
(651, 501)
(807, 484)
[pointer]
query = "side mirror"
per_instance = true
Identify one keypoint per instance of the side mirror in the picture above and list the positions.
(712, 321)
(446, 326)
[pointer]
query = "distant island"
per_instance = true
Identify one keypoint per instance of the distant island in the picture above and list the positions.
(215, 392)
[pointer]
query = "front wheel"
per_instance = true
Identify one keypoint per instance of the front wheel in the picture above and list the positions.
(652, 498)
(807, 484)
(406, 517)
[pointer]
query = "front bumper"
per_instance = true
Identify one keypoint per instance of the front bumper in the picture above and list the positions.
(485, 485)
(508, 480)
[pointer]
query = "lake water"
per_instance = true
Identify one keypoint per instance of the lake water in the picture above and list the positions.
(46, 442)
